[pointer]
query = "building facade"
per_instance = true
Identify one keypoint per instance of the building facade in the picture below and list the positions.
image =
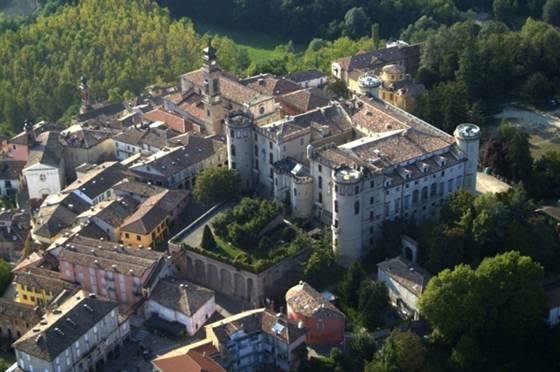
(77, 336)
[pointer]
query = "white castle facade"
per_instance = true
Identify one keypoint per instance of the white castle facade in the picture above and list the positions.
(353, 166)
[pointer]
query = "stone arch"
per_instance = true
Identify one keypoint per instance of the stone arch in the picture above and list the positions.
(212, 276)
(200, 271)
(225, 281)
(238, 285)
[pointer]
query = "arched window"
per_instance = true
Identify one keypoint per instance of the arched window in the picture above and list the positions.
(357, 207)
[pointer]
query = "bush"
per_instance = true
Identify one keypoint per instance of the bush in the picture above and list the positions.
(208, 241)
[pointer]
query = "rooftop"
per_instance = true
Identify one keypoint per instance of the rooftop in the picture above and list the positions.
(85, 136)
(144, 135)
(147, 217)
(268, 84)
(408, 274)
(192, 361)
(181, 296)
(112, 212)
(98, 179)
(11, 169)
(304, 100)
(39, 278)
(108, 256)
(378, 58)
(47, 150)
(61, 328)
(171, 120)
(58, 212)
(305, 300)
(303, 76)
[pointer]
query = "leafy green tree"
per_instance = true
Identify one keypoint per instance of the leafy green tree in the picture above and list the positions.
(551, 12)
(208, 241)
(339, 88)
(351, 283)
(546, 175)
(373, 301)
(5, 275)
(537, 87)
(501, 300)
(215, 185)
(386, 359)
(356, 22)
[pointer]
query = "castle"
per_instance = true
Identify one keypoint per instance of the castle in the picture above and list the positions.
(351, 165)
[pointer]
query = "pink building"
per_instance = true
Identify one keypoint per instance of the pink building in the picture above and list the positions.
(110, 269)
(324, 323)
(18, 146)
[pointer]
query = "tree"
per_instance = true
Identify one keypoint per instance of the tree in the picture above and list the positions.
(215, 185)
(372, 302)
(375, 34)
(5, 275)
(551, 12)
(208, 241)
(356, 22)
(339, 88)
(537, 88)
(350, 285)
(502, 300)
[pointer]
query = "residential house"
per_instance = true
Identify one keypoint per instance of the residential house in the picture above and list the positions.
(89, 144)
(141, 140)
(76, 336)
(20, 145)
(57, 213)
(95, 185)
(101, 114)
(109, 215)
(308, 79)
(16, 318)
(177, 167)
(14, 230)
(182, 305)
(111, 270)
(150, 223)
(170, 119)
(10, 177)
(405, 282)
(324, 323)
(44, 171)
(256, 340)
(192, 361)
(38, 286)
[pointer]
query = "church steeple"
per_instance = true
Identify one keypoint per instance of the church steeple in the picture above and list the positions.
(211, 91)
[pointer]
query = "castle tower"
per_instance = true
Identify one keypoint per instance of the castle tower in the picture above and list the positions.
(84, 93)
(211, 96)
(239, 136)
(347, 215)
(467, 137)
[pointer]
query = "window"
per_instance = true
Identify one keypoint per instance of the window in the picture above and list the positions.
(357, 189)
(261, 110)
(371, 215)
(424, 193)
(450, 185)
(256, 164)
(433, 189)
(320, 197)
(295, 192)
(127, 235)
(415, 197)
(255, 136)
(371, 184)
(232, 150)
(336, 206)
(256, 150)
(271, 158)
(233, 166)
(371, 200)
(397, 203)
(335, 223)
(320, 168)
(357, 207)
(270, 145)
(138, 238)
(406, 201)
(271, 173)
(320, 182)
(232, 133)
(42, 177)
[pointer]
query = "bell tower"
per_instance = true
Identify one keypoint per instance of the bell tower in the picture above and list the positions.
(211, 96)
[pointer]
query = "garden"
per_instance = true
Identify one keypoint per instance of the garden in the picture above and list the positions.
(252, 236)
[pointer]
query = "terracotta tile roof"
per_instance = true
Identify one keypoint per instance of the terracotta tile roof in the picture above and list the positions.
(305, 300)
(12, 309)
(147, 217)
(408, 274)
(230, 87)
(112, 212)
(85, 136)
(192, 361)
(270, 85)
(138, 189)
(39, 278)
(108, 256)
(172, 120)
(181, 296)
(143, 135)
(304, 100)
(378, 58)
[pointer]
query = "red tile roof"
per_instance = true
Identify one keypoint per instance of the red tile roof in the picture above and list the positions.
(173, 121)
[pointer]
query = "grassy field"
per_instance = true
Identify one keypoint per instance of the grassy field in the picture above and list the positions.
(259, 46)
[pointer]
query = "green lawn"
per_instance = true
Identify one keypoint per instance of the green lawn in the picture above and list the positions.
(259, 46)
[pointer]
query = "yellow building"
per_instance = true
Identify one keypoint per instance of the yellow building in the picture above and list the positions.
(398, 88)
(36, 286)
(148, 225)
